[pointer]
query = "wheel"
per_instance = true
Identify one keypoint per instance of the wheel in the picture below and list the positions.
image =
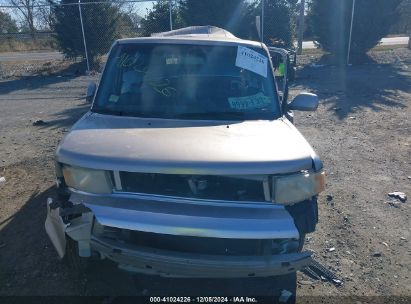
(73, 260)
(305, 217)
(301, 242)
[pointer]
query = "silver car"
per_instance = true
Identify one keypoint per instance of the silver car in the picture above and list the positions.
(188, 163)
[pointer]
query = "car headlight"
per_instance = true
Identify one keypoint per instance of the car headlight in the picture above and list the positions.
(297, 187)
(87, 180)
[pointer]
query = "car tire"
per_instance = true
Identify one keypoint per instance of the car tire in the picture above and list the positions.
(301, 242)
(75, 262)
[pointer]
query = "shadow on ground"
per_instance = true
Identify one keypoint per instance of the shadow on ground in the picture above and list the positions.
(345, 89)
(67, 117)
(30, 267)
(38, 81)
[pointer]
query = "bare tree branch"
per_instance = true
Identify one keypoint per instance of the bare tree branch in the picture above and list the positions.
(26, 8)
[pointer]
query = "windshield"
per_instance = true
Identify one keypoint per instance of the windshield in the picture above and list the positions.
(188, 81)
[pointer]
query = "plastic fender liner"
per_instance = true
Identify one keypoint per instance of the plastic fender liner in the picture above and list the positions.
(305, 215)
(55, 228)
(78, 228)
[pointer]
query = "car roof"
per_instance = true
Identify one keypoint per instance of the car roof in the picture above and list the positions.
(208, 31)
(194, 35)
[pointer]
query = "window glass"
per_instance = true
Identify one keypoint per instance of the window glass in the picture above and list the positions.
(184, 81)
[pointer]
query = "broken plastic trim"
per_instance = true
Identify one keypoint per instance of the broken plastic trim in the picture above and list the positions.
(55, 228)
(319, 272)
(79, 228)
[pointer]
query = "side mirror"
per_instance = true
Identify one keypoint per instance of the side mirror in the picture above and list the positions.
(91, 91)
(304, 102)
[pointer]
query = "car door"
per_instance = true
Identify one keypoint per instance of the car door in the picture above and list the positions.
(280, 61)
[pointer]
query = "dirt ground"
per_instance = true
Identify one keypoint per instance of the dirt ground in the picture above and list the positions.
(362, 131)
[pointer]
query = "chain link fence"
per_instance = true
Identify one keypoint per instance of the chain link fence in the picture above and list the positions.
(78, 29)
(90, 28)
(96, 21)
(85, 29)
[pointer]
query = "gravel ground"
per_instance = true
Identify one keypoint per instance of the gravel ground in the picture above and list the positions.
(361, 130)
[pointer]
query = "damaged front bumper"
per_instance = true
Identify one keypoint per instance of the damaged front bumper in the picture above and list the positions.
(176, 264)
(85, 214)
(78, 228)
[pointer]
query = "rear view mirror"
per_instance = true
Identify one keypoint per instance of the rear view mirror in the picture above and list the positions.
(304, 102)
(91, 91)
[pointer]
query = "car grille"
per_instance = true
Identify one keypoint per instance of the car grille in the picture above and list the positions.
(200, 245)
(194, 186)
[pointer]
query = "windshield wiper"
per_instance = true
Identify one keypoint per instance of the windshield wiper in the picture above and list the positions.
(107, 111)
(128, 113)
(211, 115)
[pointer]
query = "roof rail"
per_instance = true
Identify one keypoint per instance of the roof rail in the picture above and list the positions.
(206, 30)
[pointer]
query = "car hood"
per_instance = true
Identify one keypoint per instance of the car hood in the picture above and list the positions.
(185, 146)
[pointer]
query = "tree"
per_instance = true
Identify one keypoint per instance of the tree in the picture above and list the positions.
(331, 25)
(44, 16)
(26, 9)
(308, 31)
(130, 24)
(102, 25)
(236, 16)
(7, 25)
(403, 25)
(232, 15)
(279, 22)
(158, 18)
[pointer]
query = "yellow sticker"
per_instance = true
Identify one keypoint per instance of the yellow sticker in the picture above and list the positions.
(257, 101)
(113, 98)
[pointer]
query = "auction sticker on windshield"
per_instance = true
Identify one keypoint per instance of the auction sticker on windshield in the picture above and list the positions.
(257, 101)
(251, 60)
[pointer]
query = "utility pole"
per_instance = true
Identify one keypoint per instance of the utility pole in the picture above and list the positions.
(349, 41)
(301, 28)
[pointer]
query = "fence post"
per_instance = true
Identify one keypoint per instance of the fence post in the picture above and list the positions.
(349, 41)
(262, 21)
(258, 25)
(301, 28)
(84, 36)
(171, 15)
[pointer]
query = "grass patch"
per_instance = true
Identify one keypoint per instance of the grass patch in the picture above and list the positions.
(19, 45)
